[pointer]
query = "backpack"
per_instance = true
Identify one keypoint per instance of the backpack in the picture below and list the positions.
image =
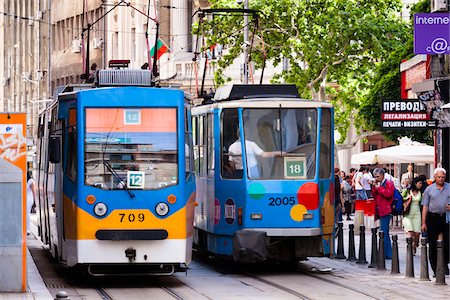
(397, 203)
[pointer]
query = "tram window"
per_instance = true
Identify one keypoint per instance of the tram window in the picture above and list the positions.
(195, 134)
(325, 144)
(71, 165)
(187, 145)
(230, 168)
(202, 145)
(113, 150)
(280, 143)
(210, 148)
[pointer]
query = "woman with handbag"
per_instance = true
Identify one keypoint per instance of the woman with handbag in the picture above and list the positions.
(412, 218)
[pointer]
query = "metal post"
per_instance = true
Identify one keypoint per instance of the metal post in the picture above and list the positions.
(340, 251)
(440, 266)
(374, 256)
(395, 268)
(362, 245)
(351, 243)
(409, 258)
(381, 257)
(424, 276)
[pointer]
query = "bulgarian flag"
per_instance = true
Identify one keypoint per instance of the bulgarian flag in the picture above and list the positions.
(161, 48)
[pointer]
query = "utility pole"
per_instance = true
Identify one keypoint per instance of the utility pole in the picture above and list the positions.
(246, 43)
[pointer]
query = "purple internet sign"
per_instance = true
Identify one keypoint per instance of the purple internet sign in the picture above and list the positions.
(432, 33)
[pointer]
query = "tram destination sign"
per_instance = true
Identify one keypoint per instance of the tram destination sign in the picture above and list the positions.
(405, 114)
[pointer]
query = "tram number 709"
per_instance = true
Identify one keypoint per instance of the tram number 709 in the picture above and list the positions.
(131, 218)
(281, 201)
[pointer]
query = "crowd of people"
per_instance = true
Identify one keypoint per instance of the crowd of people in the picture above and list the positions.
(426, 204)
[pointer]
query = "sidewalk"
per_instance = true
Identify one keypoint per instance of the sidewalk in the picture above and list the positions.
(36, 286)
(380, 283)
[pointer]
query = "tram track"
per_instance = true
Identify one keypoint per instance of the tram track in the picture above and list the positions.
(276, 285)
(103, 294)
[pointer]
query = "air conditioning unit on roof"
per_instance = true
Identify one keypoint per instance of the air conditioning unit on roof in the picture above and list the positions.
(439, 5)
(76, 46)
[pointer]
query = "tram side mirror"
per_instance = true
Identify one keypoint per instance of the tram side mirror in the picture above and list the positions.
(54, 149)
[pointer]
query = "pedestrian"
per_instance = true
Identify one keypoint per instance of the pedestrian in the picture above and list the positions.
(342, 174)
(435, 205)
(408, 175)
(367, 181)
(352, 174)
(360, 192)
(412, 218)
(31, 197)
(383, 193)
(423, 178)
(338, 199)
(347, 192)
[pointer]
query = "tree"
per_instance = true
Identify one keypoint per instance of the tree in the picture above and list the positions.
(387, 85)
(324, 40)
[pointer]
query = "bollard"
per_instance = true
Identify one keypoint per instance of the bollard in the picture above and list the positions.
(62, 295)
(395, 269)
(340, 251)
(440, 267)
(424, 276)
(381, 263)
(362, 245)
(409, 258)
(374, 256)
(351, 243)
(359, 219)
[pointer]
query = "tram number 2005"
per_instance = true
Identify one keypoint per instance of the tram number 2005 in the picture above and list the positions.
(132, 218)
(281, 201)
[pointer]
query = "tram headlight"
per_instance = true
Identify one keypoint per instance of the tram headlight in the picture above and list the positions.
(162, 209)
(100, 209)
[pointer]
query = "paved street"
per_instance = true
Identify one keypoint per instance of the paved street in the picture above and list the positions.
(213, 279)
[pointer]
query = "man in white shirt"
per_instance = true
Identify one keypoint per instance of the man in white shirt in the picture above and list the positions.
(360, 192)
(252, 150)
(366, 182)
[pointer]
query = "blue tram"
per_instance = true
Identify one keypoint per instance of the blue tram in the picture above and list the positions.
(271, 196)
(115, 176)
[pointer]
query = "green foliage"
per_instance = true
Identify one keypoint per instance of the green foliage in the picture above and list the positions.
(387, 86)
(325, 41)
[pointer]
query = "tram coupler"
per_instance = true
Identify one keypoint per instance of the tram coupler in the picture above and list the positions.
(130, 253)
(250, 246)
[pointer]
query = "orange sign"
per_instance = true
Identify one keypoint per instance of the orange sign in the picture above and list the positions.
(13, 148)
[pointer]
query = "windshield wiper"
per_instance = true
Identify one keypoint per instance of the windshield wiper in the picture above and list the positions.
(111, 170)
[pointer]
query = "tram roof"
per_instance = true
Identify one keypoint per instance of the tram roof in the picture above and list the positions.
(247, 91)
(273, 102)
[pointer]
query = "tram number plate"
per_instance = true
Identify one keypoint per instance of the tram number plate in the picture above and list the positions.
(132, 217)
(281, 201)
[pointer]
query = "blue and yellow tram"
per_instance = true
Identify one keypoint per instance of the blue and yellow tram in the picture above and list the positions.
(116, 187)
(270, 197)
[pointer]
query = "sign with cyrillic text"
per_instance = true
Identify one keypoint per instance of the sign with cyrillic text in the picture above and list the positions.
(405, 114)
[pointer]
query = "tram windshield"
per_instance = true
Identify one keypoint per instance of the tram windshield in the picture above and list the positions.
(280, 143)
(131, 148)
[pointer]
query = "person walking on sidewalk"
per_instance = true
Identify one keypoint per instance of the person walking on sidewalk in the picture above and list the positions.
(31, 198)
(434, 201)
(412, 218)
(383, 193)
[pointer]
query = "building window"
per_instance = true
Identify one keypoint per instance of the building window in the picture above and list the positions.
(373, 147)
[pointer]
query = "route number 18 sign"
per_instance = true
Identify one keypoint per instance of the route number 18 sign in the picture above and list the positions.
(295, 167)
